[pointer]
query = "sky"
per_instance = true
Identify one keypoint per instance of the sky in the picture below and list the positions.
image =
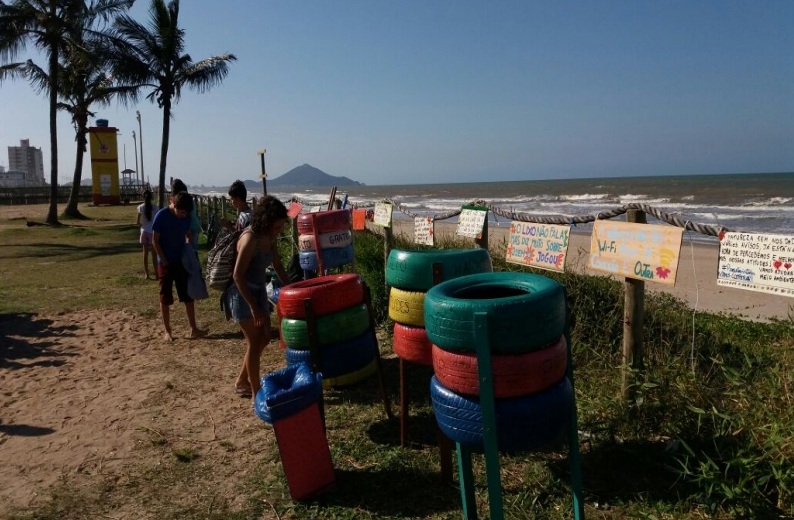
(413, 92)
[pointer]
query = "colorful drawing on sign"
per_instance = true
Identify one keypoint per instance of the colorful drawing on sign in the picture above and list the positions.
(756, 262)
(470, 222)
(423, 230)
(642, 251)
(383, 212)
(538, 245)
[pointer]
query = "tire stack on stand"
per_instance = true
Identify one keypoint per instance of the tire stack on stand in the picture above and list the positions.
(325, 240)
(410, 274)
(526, 320)
(346, 342)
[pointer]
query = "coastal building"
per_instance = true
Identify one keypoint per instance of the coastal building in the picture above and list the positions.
(12, 178)
(27, 159)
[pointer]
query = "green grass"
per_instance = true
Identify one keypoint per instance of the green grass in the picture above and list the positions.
(708, 434)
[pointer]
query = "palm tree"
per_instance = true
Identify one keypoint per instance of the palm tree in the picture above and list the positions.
(153, 56)
(85, 82)
(48, 25)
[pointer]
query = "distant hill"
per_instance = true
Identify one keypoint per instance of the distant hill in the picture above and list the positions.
(308, 175)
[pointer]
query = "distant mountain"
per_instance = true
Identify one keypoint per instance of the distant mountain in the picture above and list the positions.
(308, 175)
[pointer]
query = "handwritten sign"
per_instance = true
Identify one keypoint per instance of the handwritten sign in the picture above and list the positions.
(470, 222)
(423, 230)
(538, 245)
(383, 212)
(642, 251)
(756, 262)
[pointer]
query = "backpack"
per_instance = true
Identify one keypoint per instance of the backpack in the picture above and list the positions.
(221, 260)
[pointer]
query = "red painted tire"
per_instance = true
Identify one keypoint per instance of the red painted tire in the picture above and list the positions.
(328, 294)
(514, 375)
(324, 221)
(411, 344)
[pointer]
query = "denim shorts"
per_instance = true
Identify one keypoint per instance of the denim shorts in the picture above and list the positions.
(237, 309)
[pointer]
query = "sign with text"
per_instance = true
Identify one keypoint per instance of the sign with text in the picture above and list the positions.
(643, 251)
(538, 245)
(423, 230)
(383, 212)
(756, 262)
(471, 221)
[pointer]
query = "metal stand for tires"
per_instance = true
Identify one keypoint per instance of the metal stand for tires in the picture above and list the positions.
(490, 439)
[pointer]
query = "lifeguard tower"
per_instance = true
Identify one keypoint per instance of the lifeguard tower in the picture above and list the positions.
(104, 163)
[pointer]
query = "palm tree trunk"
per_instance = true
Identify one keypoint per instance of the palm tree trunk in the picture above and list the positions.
(52, 214)
(74, 196)
(164, 148)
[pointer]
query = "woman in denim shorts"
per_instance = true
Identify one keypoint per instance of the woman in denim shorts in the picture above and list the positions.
(245, 301)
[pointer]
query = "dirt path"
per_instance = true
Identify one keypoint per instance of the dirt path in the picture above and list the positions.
(94, 397)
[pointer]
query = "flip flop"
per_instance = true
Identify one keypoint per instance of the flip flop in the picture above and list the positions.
(243, 391)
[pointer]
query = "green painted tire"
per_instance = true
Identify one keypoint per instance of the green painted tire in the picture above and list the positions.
(525, 311)
(331, 328)
(413, 270)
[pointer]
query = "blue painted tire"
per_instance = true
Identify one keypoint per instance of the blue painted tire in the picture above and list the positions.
(353, 377)
(525, 311)
(331, 328)
(413, 270)
(332, 257)
(526, 423)
(338, 359)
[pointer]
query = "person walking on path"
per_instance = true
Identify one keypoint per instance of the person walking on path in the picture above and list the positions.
(170, 234)
(245, 301)
(146, 213)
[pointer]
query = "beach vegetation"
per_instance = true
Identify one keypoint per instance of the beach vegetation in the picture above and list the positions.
(707, 433)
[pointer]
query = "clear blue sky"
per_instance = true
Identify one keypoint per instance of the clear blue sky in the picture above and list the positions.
(388, 92)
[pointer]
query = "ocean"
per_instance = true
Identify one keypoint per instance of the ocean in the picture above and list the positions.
(756, 203)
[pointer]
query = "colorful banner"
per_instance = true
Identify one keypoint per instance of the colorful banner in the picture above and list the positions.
(643, 251)
(756, 262)
(538, 245)
(423, 230)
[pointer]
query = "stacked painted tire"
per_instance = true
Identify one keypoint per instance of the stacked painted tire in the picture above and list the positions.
(347, 344)
(526, 323)
(410, 275)
(327, 233)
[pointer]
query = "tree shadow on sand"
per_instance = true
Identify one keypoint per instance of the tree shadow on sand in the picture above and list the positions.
(17, 332)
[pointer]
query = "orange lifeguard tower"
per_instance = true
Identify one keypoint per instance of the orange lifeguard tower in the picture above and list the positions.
(104, 163)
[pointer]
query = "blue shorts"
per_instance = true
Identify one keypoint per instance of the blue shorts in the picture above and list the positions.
(237, 309)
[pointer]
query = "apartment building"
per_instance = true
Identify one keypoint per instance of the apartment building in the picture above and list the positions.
(28, 159)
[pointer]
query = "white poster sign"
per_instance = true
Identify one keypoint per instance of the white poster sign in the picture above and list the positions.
(757, 262)
(470, 222)
(423, 231)
(383, 213)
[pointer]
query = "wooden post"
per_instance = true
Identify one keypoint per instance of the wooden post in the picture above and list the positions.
(633, 316)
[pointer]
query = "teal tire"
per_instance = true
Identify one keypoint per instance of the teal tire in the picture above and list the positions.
(525, 312)
(413, 270)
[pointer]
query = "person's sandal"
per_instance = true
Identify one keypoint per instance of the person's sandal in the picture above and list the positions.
(243, 391)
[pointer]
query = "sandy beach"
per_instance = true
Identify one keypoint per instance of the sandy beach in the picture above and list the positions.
(696, 282)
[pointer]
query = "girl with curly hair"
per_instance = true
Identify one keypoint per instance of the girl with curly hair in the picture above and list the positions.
(245, 301)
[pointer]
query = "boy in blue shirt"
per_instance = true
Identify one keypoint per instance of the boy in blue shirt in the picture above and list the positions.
(170, 232)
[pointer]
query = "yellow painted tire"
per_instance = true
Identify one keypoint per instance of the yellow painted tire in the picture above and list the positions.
(407, 307)
(352, 377)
